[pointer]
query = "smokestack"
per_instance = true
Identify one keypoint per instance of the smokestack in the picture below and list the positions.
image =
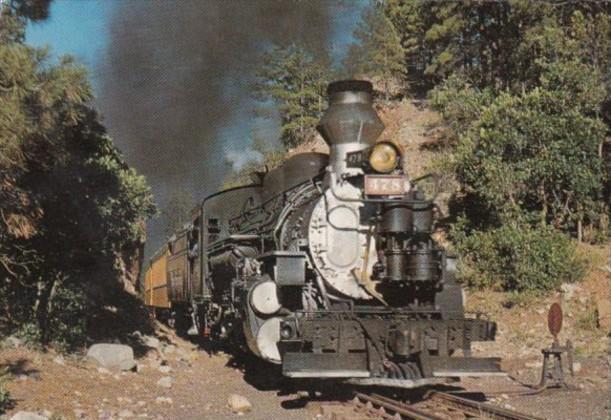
(350, 123)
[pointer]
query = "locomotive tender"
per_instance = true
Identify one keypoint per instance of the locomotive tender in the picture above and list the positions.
(326, 266)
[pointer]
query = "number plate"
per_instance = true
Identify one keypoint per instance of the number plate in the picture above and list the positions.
(355, 159)
(384, 185)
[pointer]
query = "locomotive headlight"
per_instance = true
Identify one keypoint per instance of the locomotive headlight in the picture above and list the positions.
(384, 157)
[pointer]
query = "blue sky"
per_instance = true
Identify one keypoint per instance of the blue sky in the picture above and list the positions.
(76, 27)
(81, 28)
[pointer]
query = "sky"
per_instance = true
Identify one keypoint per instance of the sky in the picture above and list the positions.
(82, 28)
(76, 27)
(107, 36)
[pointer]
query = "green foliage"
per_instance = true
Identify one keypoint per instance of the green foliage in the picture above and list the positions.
(378, 51)
(30, 333)
(5, 396)
(588, 320)
(34, 10)
(488, 42)
(516, 256)
(522, 104)
(534, 153)
(67, 318)
(459, 102)
(70, 206)
(177, 212)
(294, 80)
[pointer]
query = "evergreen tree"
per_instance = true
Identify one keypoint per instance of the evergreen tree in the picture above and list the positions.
(378, 51)
(34, 10)
(71, 210)
(524, 87)
(483, 40)
(294, 81)
(177, 212)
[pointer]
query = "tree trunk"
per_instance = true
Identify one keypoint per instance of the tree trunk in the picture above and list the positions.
(544, 208)
(386, 72)
(301, 110)
(43, 306)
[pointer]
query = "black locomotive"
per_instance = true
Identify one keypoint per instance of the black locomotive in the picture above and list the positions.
(327, 266)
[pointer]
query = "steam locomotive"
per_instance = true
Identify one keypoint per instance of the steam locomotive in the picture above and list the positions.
(326, 266)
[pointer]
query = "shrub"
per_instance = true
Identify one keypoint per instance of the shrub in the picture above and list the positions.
(67, 326)
(5, 397)
(536, 154)
(30, 333)
(588, 320)
(517, 257)
(459, 102)
(71, 207)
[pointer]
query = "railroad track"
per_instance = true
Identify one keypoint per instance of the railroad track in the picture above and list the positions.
(436, 406)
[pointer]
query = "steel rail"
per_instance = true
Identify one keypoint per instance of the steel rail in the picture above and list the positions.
(476, 408)
(397, 407)
(389, 408)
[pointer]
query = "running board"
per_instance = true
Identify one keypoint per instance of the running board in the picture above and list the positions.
(461, 366)
(313, 373)
(462, 373)
(325, 365)
(398, 383)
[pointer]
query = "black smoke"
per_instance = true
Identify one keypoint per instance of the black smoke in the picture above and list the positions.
(177, 75)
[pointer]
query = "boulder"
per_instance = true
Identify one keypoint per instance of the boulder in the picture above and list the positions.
(169, 349)
(125, 414)
(112, 356)
(165, 382)
(152, 342)
(534, 364)
(103, 371)
(576, 367)
(12, 342)
(28, 415)
(105, 415)
(239, 404)
(569, 290)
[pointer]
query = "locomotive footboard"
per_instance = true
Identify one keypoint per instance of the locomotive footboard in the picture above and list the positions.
(377, 348)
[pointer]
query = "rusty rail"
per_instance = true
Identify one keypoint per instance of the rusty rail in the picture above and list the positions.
(390, 408)
(436, 406)
(479, 409)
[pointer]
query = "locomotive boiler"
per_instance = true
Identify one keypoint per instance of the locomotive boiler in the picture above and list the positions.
(326, 266)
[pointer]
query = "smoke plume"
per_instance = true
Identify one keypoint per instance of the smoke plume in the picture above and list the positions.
(177, 77)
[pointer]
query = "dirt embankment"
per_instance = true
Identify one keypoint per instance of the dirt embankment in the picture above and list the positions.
(175, 379)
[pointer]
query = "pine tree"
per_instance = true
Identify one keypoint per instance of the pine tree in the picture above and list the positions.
(482, 40)
(294, 81)
(34, 10)
(71, 210)
(378, 51)
(177, 212)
